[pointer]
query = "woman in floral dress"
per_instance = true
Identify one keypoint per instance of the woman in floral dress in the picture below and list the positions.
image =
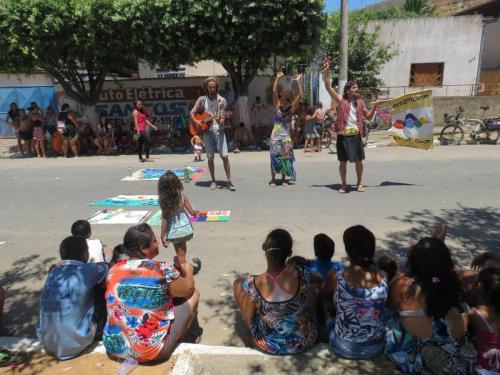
(274, 305)
(281, 147)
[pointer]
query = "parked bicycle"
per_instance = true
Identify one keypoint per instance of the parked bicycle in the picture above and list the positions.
(479, 130)
(382, 120)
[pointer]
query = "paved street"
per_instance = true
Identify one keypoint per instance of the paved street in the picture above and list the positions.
(407, 192)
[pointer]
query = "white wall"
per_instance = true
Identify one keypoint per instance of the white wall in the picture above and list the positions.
(455, 41)
(491, 46)
(201, 69)
(167, 98)
(12, 80)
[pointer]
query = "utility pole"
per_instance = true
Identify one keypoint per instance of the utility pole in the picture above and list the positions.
(344, 37)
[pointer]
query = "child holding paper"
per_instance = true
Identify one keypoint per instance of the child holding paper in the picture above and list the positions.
(175, 224)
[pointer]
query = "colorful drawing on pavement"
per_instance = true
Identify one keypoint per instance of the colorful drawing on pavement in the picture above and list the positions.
(118, 217)
(195, 173)
(412, 119)
(211, 216)
(128, 201)
(203, 217)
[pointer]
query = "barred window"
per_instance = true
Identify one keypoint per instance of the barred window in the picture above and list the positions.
(426, 74)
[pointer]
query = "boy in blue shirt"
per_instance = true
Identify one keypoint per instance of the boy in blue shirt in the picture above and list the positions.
(324, 248)
(68, 322)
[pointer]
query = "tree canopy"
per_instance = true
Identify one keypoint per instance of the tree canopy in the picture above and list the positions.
(365, 56)
(243, 35)
(80, 42)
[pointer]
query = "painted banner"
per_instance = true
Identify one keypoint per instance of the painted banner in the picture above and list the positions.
(23, 96)
(412, 119)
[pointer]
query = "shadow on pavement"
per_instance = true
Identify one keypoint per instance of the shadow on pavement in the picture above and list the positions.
(471, 231)
(21, 300)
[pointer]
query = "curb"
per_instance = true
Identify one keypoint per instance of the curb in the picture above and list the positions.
(185, 353)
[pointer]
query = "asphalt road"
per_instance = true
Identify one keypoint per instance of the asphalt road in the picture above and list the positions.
(407, 192)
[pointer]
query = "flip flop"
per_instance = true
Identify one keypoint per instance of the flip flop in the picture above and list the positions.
(196, 265)
(343, 190)
(12, 358)
(361, 188)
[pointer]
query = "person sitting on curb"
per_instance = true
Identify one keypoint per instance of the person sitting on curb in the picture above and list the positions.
(242, 138)
(143, 323)
(274, 303)
(69, 316)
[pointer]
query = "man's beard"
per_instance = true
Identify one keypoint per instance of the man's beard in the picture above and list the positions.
(212, 95)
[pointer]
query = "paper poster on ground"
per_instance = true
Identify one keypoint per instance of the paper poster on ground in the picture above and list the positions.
(412, 119)
(118, 217)
(203, 217)
(128, 201)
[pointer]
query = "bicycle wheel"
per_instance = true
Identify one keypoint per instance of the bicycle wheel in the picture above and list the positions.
(484, 136)
(451, 135)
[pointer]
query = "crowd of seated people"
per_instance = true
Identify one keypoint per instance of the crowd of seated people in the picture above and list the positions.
(419, 317)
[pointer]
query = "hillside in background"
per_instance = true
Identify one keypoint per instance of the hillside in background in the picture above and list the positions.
(443, 7)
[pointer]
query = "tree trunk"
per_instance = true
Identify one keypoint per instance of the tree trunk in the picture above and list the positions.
(240, 86)
(243, 111)
(89, 115)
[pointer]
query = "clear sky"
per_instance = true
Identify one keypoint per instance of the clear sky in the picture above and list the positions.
(353, 4)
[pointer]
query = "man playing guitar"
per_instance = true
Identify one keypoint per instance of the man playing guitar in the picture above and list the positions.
(214, 138)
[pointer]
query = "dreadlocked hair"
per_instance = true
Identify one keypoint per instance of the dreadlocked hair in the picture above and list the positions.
(169, 194)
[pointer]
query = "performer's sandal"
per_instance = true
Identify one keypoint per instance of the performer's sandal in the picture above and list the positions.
(361, 188)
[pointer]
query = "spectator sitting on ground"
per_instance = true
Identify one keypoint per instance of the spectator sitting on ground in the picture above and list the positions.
(324, 249)
(242, 138)
(359, 293)
(432, 327)
(69, 315)
(69, 129)
(274, 303)
(485, 322)
(389, 266)
(143, 323)
(124, 144)
(103, 134)
(97, 251)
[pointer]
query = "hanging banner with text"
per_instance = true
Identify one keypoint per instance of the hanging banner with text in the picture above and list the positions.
(412, 119)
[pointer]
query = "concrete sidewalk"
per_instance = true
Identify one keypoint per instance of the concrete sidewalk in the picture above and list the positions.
(194, 359)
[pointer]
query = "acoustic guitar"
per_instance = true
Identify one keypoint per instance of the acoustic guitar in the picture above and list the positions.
(206, 120)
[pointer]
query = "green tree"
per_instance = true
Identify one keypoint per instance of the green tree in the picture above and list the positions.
(366, 55)
(243, 35)
(419, 7)
(81, 42)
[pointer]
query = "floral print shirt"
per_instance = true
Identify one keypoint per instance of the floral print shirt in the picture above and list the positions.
(140, 308)
(360, 310)
(283, 327)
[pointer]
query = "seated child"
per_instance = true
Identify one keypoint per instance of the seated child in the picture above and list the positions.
(68, 320)
(124, 144)
(197, 144)
(484, 322)
(389, 266)
(97, 252)
(324, 248)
